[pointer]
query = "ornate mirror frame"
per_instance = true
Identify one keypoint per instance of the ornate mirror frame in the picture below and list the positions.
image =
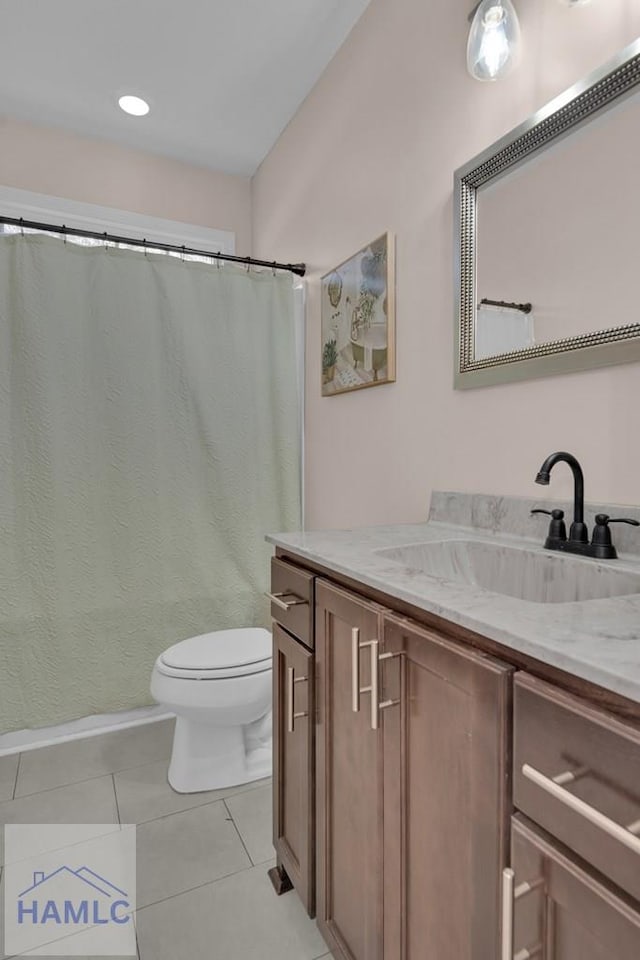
(573, 108)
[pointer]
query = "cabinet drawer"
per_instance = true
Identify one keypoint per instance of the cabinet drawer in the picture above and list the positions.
(561, 911)
(577, 774)
(292, 599)
(293, 762)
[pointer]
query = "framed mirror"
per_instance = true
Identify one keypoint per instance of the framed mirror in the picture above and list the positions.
(546, 237)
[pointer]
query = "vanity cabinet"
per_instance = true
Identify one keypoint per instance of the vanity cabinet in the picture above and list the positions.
(437, 802)
(577, 775)
(573, 889)
(350, 776)
(292, 605)
(412, 799)
(561, 910)
(293, 772)
(447, 796)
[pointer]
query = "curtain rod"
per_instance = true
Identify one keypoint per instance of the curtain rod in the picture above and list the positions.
(298, 268)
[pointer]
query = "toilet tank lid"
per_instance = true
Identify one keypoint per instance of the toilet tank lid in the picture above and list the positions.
(223, 648)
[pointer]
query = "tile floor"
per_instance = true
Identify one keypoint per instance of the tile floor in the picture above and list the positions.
(203, 891)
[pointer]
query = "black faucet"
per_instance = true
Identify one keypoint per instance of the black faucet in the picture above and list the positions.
(578, 532)
(600, 547)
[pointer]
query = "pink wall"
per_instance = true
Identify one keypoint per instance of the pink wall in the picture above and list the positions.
(62, 164)
(374, 147)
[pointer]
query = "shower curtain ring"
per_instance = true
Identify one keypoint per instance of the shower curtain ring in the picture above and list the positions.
(218, 260)
(64, 233)
(273, 268)
(248, 264)
(182, 257)
(22, 226)
(106, 246)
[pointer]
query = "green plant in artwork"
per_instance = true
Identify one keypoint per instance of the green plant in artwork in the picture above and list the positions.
(329, 354)
(373, 266)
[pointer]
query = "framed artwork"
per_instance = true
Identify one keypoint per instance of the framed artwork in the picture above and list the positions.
(358, 320)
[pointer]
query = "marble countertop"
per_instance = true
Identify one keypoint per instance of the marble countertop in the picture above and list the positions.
(598, 640)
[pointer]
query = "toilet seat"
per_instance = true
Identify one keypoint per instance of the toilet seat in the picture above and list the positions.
(218, 656)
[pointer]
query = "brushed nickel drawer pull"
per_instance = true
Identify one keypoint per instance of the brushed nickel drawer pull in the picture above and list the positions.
(376, 706)
(277, 598)
(291, 716)
(608, 826)
(356, 689)
(355, 670)
(511, 893)
(529, 952)
(374, 687)
(570, 776)
(508, 879)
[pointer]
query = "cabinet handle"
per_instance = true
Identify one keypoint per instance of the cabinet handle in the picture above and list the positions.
(291, 716)
(286, 604)
(355, 669)
(610, 827)
(374, 688)
(511, 893)
(376, 706)
(508, 879)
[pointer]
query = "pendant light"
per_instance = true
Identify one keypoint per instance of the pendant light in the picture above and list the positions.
(494, 40)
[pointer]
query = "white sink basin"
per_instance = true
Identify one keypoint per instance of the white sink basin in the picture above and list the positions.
(515, 571)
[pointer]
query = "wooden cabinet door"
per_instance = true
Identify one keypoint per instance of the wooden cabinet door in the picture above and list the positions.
(447, 807)
(293, 763)
(568, 913)
(349, 778)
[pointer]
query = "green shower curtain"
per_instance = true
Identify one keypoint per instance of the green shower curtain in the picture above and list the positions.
(149, 438)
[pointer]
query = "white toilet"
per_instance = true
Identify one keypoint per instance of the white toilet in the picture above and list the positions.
(219, 687)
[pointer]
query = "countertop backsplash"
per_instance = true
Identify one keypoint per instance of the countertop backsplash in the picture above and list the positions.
(511, 516)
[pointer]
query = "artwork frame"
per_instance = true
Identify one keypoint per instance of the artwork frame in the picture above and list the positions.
(357, 312)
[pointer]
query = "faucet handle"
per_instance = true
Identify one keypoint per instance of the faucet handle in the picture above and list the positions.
(601, 532)
(602, 519)
(557, 528)
(601, 538)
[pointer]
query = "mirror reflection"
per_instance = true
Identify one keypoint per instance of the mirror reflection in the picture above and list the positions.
(556, 238)
(545, 219)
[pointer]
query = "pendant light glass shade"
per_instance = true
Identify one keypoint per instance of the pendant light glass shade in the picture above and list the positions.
(494, 40)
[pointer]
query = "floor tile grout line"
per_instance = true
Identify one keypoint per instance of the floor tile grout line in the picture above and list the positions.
(114, 773)
(163, 816)
(98, 776)
(197, 806)
(115, 795)
(239, 834)
(199, 886)
(15, 782)
(74, 783)
(66, 846)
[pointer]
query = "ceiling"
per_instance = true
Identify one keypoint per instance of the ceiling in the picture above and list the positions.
(223, 77)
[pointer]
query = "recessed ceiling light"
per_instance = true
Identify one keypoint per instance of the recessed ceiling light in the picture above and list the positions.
(136, 106)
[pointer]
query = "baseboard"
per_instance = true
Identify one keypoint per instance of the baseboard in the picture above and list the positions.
(22, 740)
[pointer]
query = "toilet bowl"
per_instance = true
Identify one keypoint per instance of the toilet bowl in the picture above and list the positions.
(219, 686)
